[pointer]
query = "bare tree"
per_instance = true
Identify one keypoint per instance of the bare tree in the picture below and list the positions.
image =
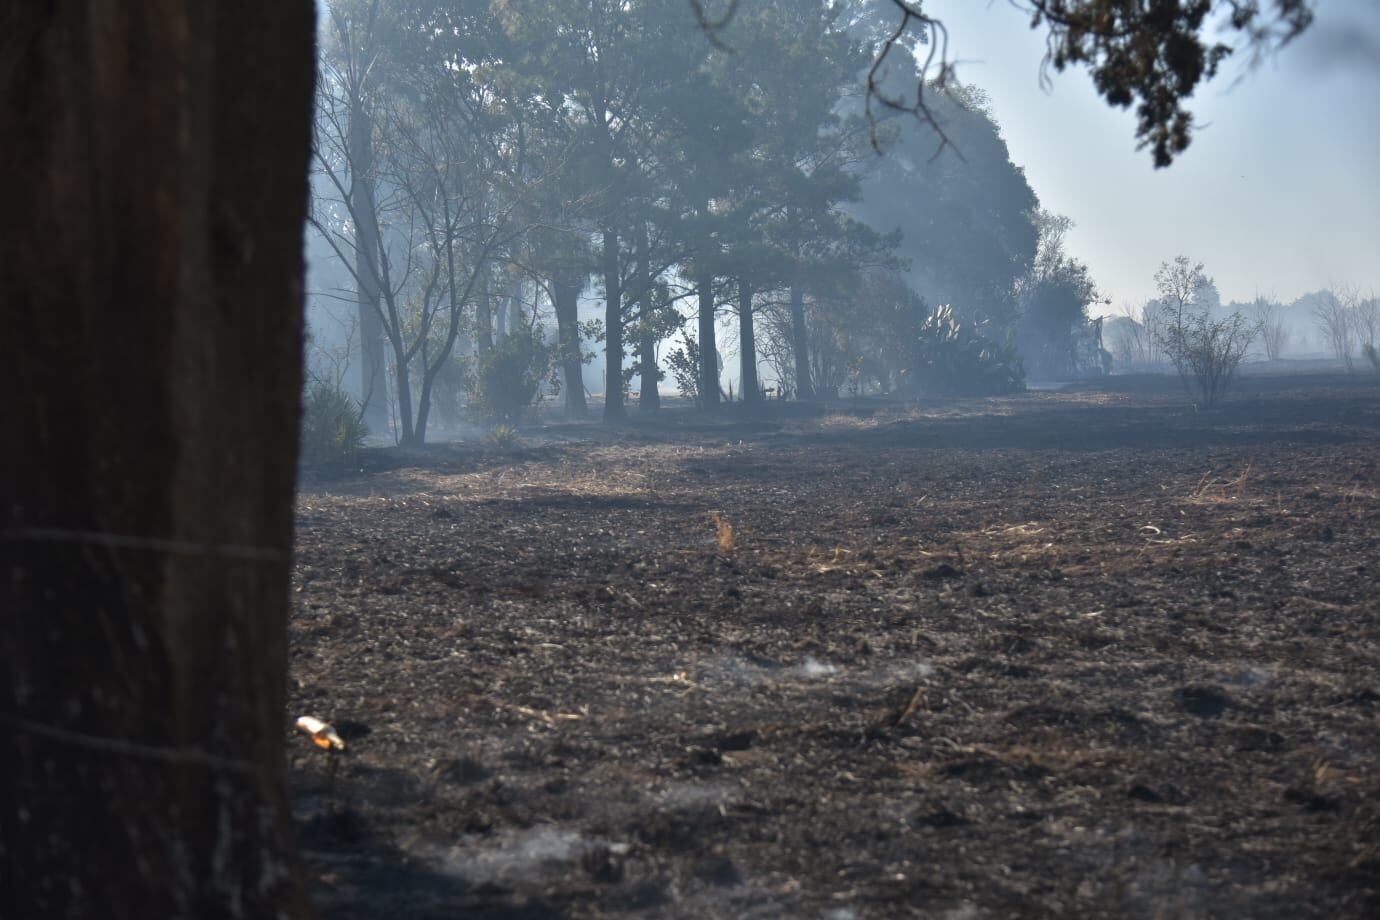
(153, 236)
(1336, 322)
(352, 65)
(1274, 335)
(1135, 342)
(443, 194)
(1178, 285)
(1365, 316)
(1185, 294)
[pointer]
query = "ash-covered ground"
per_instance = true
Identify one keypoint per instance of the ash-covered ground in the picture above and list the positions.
(1085, 653)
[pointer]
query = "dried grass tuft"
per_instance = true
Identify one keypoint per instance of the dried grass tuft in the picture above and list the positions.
(727, 541)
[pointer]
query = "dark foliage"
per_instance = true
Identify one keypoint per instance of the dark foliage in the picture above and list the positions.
(508, 377)
(953, 358)
(333, 428)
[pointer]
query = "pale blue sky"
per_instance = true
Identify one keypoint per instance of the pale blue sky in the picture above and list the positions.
(1280, 191)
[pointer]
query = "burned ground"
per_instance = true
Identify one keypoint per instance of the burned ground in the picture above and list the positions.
(1089, 653)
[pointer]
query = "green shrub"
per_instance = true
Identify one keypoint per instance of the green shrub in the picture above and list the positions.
(952, 358)
(333, 428)
(505, 436)
(508, 377)
(685, 367)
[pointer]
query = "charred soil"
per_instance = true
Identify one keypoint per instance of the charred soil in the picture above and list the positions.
(1089, 653)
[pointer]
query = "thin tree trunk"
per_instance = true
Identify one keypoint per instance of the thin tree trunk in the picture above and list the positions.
(800, 344)
(151, 259)
(565, 295)
(709, 352)
(373, 374)
(484, 314)
(704, 288)
(747, 344)
(516, 320)
(501, 315)
(613, 331)
(649, 399)
(408, 435)
(403, 381)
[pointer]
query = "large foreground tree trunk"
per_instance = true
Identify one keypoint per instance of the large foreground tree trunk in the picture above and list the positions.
(151, 266)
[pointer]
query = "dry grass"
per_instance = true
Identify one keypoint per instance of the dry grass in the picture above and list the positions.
(726, 539)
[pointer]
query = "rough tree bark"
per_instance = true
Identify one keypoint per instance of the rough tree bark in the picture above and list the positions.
(151, 261)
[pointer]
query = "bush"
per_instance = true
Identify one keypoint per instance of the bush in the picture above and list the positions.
(508, 377)
(952, 358)
(505, 436)
(1209, 352)
(685, 367)
(333, 428)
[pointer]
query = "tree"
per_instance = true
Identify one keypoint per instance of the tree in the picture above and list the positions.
(1366, 321)
(1053, 300)
(1274, 335)
(1336, 321)
(1136, 336)
(967, 215)
(353, 71)
(153, 236)
(798, 168)
(1183, 289)
(442, 194)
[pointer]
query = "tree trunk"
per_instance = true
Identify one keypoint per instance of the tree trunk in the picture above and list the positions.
(501, 320)
(484, 314)
(649, 399)
(373, 374)
(403, 381)
(747, 344)
(151, 259)
(709, 351)
(613, 331)
(800, 344)
(565, 295)
(516, 320)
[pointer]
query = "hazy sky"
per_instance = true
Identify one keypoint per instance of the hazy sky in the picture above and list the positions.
(1279, 192)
